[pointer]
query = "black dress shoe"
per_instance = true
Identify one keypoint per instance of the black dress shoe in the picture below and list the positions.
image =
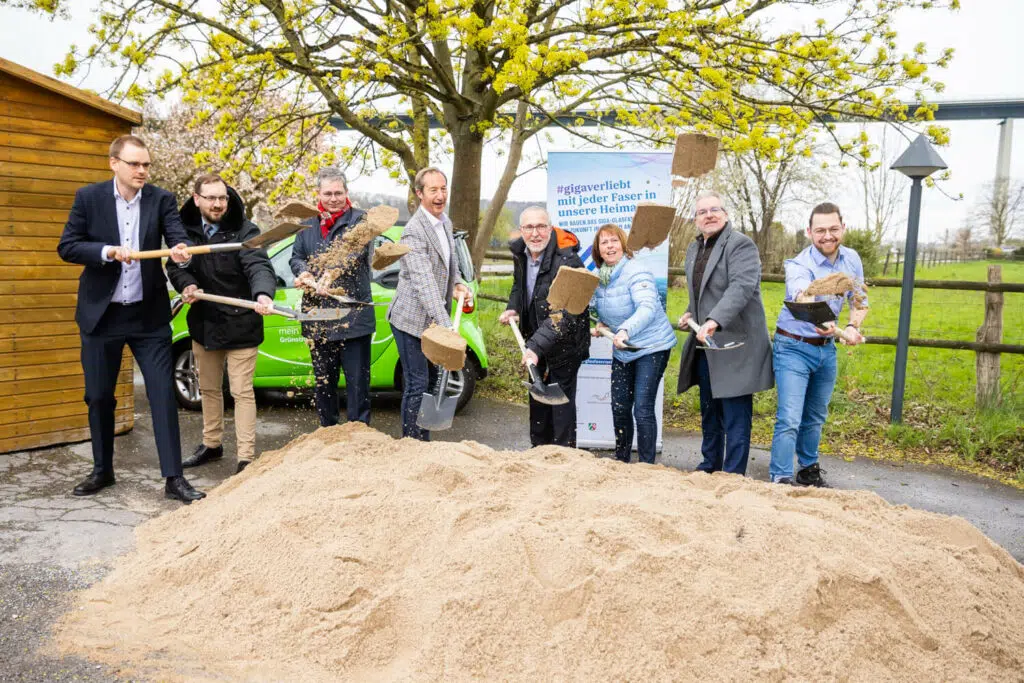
(95, 482)
(204, 454)
(242, 464)
(178, 488)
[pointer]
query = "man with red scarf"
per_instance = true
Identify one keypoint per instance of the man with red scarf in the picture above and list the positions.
(336, 346)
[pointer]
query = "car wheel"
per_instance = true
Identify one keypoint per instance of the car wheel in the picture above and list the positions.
(186, 377)
(463, 382)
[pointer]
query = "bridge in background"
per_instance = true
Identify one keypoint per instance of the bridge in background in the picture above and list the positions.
(1004, 111)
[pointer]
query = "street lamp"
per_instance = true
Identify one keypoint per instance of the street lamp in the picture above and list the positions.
(919, 161)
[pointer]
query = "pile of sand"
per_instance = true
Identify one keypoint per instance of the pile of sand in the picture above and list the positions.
(350, 555)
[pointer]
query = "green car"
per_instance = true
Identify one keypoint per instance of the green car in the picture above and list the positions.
(283, 363)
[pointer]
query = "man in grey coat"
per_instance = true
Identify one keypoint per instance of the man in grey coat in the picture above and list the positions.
(723, 276)
(428, 280)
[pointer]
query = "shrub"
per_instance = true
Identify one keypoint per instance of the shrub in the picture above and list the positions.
(870, 253)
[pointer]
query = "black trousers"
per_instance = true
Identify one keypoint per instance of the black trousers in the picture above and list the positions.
(555, 424)
(101, 361)
(330, 359)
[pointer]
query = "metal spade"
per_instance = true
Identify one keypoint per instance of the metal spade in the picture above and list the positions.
(551, 394)
(438, 410)
(316, 315)
(710, 344)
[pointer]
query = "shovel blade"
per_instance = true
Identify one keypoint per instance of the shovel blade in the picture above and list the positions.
(313, 315)
(275, 234)
(548, 394)
(436, 415)
(723, 347)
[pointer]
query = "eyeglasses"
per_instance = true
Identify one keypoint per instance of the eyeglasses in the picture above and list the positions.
(539, 227)
(215, 199)
(821, 232)
(334, 195)
(136, 165)
(713, 209)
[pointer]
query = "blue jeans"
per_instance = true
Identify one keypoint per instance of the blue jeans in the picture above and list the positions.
(805, 376)
(725, 423)
(634, 392)
(416, 371)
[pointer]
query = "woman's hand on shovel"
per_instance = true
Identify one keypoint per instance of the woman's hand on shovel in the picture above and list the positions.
(530, 358)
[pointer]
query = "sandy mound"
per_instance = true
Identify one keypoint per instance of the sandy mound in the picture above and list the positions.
(350, 555)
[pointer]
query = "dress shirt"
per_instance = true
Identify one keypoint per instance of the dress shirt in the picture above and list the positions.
(532, 269)
(442, 234)
(807, 266)
(129, 285)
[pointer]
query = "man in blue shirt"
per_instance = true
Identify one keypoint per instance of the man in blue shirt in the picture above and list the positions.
(805, 355)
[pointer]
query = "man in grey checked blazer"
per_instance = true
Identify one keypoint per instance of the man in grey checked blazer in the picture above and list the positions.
(427, 282)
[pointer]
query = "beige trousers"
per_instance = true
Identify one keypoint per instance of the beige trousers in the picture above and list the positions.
(241, 367)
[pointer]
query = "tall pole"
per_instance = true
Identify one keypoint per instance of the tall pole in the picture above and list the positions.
(899, 380)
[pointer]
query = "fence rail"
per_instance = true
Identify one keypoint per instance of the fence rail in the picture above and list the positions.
(994, 286)
(958, 285)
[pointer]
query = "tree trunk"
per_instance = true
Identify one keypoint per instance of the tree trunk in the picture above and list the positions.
(508, 176)
(464, 205)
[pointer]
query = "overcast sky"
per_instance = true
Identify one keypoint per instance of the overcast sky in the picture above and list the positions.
(988, 65)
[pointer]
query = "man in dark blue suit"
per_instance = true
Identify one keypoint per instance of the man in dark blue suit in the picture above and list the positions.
(124, 301)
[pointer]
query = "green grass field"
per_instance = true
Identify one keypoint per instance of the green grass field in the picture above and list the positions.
(940, 421)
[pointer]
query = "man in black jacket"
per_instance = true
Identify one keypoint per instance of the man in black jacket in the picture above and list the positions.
(124, 301)
(339, 346)
(215, 214)
(556, 348)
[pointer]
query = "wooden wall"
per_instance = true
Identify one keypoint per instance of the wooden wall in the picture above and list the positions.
(50, 145)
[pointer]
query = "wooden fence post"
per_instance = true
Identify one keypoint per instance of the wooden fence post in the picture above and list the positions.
(897, 271)
(987, 364)
(885, 268)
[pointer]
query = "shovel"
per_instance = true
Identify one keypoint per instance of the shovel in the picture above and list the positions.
(550, 394)
(437, 412)
(276, 234)
(711, 344)
(316, 315)
(605, 332)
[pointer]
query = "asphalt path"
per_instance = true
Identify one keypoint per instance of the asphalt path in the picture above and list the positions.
(52, 543)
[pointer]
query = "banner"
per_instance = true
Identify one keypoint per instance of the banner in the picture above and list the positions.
(585, 191)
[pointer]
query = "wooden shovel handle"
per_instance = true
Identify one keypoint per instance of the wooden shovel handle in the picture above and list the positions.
(458, 311)
(161, 253)
(229, 300)
(514, 324)
(847, 337)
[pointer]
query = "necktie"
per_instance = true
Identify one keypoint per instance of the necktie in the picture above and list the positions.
(210, 229)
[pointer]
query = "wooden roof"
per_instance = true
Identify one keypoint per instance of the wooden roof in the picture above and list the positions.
(71, 92)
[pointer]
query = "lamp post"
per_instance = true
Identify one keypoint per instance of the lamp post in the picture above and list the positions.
(919, 161)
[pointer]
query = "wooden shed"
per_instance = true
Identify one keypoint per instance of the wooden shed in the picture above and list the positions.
(54, 138)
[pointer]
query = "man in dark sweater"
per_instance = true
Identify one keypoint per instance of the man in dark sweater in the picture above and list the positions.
(222, 333)
(556, 349)
(338, 346)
